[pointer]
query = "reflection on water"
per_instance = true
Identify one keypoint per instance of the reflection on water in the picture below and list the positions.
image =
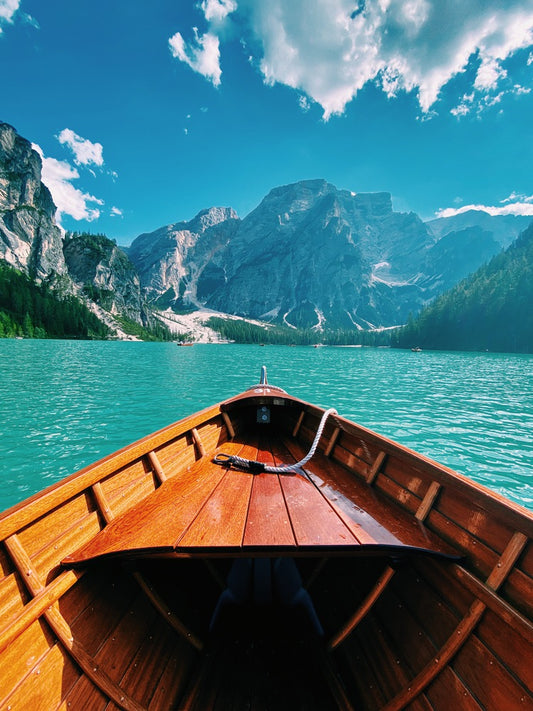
(65, 404)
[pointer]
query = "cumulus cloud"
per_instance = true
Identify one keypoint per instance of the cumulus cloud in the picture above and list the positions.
(217, 10)
(85, 152)
(116, 212)
(515, 204)
(330, 50)
(58, 175)
(8, 9)
(202, 56)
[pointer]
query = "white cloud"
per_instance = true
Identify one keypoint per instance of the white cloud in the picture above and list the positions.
(488, 75)
(8, 9)
(202, 56)
(514, 197)
(330, 50)
(85, 152)
(304, 103)
(217, 10)
(116, 212)
(521, 207)
(57, 176)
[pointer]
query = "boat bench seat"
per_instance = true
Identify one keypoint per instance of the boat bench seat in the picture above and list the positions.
(208, 510)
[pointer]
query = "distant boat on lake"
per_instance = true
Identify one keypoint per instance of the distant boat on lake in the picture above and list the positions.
(416, 350)
(185, 343)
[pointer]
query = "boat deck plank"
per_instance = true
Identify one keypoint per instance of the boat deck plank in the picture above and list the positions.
(212, 510)
(268, 522)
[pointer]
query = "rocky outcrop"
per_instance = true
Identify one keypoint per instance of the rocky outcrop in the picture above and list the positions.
(29, 237)
(173, 259)
(104, 274)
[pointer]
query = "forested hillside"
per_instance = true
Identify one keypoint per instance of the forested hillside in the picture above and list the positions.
(242, 331)
(34, 311)
(491, 310)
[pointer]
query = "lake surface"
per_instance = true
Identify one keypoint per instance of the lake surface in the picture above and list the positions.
(65, 404)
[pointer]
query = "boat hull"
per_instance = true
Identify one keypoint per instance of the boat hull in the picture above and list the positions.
(157, 579)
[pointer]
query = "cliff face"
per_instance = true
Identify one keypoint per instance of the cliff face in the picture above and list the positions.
(311, 255)
(173, 259)
(105, 275)
(29, 237)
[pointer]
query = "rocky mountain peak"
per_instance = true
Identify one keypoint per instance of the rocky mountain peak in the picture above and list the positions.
(29, 238)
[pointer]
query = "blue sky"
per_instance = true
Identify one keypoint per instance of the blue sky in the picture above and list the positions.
(147, 112)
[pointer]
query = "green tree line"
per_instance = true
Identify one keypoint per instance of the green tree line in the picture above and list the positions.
(33, 311)
(491, 310)
(242, 331)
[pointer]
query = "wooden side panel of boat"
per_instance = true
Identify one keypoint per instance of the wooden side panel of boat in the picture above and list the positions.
(414, 632)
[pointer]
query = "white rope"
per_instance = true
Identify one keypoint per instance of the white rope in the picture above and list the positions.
(253, 465)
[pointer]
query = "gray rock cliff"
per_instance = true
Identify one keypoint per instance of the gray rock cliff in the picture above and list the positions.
(311, 255)
(29, 237)
(171, 260)
(104, 274)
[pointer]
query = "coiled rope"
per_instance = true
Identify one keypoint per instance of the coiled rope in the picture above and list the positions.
(254, 466)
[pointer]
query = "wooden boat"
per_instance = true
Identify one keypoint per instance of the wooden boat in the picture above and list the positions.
(367, 578)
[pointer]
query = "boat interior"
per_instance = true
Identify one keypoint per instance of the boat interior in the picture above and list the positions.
(371, 578)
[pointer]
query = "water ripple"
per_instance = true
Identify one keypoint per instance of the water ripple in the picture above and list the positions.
(65, 404)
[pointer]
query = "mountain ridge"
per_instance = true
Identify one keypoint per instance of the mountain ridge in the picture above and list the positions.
(309, 256)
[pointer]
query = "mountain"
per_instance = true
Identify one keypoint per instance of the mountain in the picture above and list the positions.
(105, 275)
(29, 238)
(490, 310)
(503, 229)
(171, 260)
(308, 255)
(92, 279)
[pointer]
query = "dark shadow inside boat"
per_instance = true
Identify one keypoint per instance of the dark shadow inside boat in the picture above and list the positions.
(265, 624)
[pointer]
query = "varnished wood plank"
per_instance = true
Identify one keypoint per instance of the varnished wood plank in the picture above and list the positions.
(363, 609)
(373, 519)
(428, 501)
(463, 630)
(332, 441)
(46, 531)
(507, 560)
(490, 598)
(103, 504)
(221, 521)
(46, 682)
(63, 632)
(84, 695)
(512, 649)
(198, 442)
(47, 596)
(298, 423)
(13, 596)
(173, 679)
(376, 467)
(156, 466)
(142, 676)
(229, 424)
(488, 679)
(18, 659)
(268, 522)
(158, 522)
(313, 520)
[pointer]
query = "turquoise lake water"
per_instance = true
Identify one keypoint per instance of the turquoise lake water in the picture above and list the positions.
(65, 404)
